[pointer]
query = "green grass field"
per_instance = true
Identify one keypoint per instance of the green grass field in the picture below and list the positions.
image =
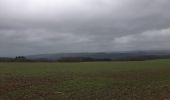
(145, 80)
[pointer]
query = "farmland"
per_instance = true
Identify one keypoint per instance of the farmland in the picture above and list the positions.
(135, 80)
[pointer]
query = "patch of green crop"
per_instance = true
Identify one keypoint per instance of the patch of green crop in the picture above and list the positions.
(133, 80)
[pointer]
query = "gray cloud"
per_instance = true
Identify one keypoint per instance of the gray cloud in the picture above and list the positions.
(49, 26)
(153, 39)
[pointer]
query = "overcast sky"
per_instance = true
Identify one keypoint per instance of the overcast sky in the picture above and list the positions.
(53, 26)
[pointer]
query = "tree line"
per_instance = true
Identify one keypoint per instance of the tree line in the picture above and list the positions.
(83, 59)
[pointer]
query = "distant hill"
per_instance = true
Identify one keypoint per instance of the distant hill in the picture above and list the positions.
(105, 55)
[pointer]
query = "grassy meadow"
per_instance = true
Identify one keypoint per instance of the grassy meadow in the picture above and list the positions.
(137, 80)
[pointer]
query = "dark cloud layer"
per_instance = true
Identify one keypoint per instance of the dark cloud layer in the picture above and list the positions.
(50, 26)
